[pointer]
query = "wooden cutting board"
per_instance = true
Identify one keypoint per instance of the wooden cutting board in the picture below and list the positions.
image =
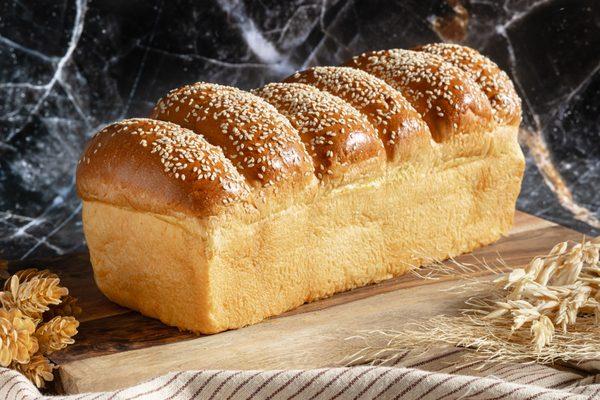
(117, 347)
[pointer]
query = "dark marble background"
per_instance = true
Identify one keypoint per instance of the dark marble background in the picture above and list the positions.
(69, 67)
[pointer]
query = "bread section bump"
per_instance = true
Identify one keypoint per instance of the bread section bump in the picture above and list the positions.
(343, 144)
(402, 130)
(495, 83)
(157, 166)
(449, 101)
(259, 141)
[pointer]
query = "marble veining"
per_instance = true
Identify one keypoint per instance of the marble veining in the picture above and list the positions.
(68, 68)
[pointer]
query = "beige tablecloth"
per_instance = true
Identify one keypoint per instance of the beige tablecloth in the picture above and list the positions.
(443, 374)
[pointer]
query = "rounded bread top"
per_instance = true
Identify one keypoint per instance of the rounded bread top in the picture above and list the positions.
(259, 141)
(449, 101)
(495, 83)
(159, 167)
(399, 125)
(342, 143)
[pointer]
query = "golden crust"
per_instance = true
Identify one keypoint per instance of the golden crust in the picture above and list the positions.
(159, 167)
(219, 273)
(445, 96)
(495, 83)
(259, 141)
(399, 125)
(342, 143)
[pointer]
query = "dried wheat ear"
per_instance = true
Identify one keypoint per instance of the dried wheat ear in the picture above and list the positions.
(552, 291)
(546, 312)
(37, 318)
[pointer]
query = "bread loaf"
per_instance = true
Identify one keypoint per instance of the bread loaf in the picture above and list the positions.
(229, 207)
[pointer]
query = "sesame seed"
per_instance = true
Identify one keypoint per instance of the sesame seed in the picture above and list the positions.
(491, 80)
(249, 129)
(181, 152)
(409, 71)
(317, 115)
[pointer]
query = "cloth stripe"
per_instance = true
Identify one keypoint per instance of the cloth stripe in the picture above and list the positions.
(201, 388)
(164, 385)
(352, 382)
(331, 382)
(412, 386)
(392, 383)
(185, 385)
(285, 385)
(372, 383)
(265, 383)
(242, 384)
(431, 376)
(218, 389)
(308, 383)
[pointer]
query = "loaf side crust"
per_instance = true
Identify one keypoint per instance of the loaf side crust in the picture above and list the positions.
(226, 271)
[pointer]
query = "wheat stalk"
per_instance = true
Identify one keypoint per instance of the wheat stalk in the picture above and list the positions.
(548, 311)
(37, 318)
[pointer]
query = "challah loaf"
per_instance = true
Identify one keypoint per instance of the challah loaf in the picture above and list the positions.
(229, 207)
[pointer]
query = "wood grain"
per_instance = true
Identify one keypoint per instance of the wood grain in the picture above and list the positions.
(117, 347)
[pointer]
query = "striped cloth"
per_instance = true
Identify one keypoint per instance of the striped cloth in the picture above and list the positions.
(443, 374)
